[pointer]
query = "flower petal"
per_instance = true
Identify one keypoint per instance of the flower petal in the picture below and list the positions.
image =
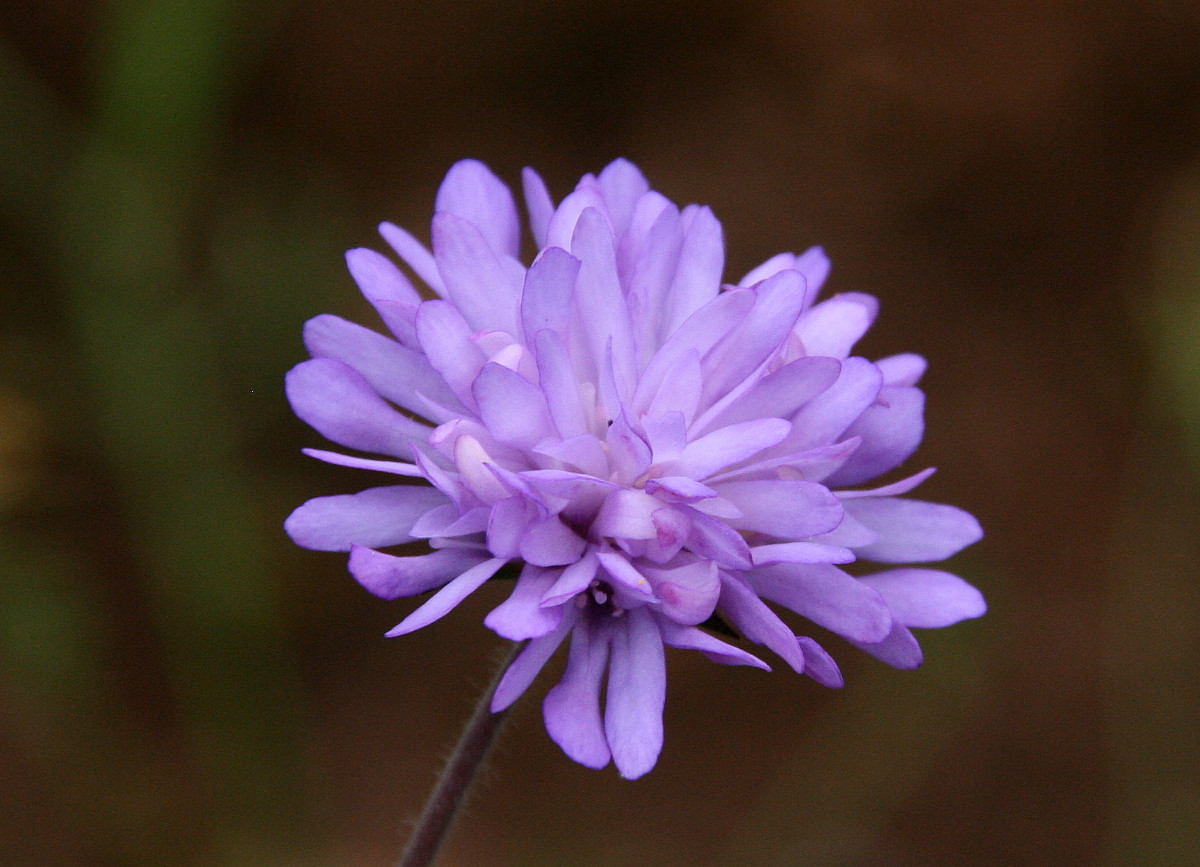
(927, 598)
(387, 289)
(785, 508)
(538, 203)
(550, 542)
(727, 446)
(900, 649)
(828, 597)
(637, 688)
(512, 408)
(415, 254)
(800, 552)
(442, 602)
(548, 299)
(836, 324)
(394, 371)
(913, 531)
(520, 616)
(701, 263)
(485, 289)
(891, 431)
(691, 638)
(518, 676)
(446, 339)
(572, 707)
(819, 665)
(757, 622)
(604, 315)
(471, 191)
(391, 577)
(374, 518)
(340, 404)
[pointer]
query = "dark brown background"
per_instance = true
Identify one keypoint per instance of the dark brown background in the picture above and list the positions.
(1018, 182)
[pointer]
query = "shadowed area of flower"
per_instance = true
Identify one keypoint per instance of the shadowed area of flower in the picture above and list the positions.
(660, 451)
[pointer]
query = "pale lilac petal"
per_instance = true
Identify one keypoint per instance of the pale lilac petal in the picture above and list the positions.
(900, 649)
(529, 662)
(507, 524)
(688, 593)
(814, 265)
(390, 577)
(800, 552)
(397, 468)
(446, 338)
(573, 580)
(512, 408)
(779, 394)
(625, 575)
(679, 489)
(835, 325)
(415, 254)
(667, 436)
(912, 530)
(520, 616)
(572, 708)
(819, 665)
(895, 489)
(637, 687)
(622, 184)
(442, 602)
(387, 289)
(561, 387)
(548, 299)
(648, 278)
(374, 518)
(563, 221)
(890, 431)
(681, 388)
(824, 419)
(585, 452)
(906, 368)
(538, 203)
(718, 541)
(851, 533)
(448, 521)
(701, 263)
(394, 371)
(757, 622)
(727, 446)
(550, 542)
(927, 598)
(340, 404)
(702, 330)
(628, 452)
(779, 301)
(828, 597)
(771, 267)
(476, 279)
(627, 514)
(785, 508)
(603, 314)
(471, 191)
(691, 638)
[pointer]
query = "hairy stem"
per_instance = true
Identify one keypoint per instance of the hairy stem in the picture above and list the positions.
(464, 765)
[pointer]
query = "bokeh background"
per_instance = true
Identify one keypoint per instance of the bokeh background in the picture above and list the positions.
(1018, 182)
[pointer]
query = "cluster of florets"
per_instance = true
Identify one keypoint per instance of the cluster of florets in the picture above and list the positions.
(657, 450)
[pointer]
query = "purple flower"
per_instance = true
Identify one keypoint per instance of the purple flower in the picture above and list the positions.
(659, 451)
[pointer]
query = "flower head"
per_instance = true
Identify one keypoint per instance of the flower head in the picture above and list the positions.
(657, 449)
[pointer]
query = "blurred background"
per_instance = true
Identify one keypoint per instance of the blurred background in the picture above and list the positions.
(1019, 184)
